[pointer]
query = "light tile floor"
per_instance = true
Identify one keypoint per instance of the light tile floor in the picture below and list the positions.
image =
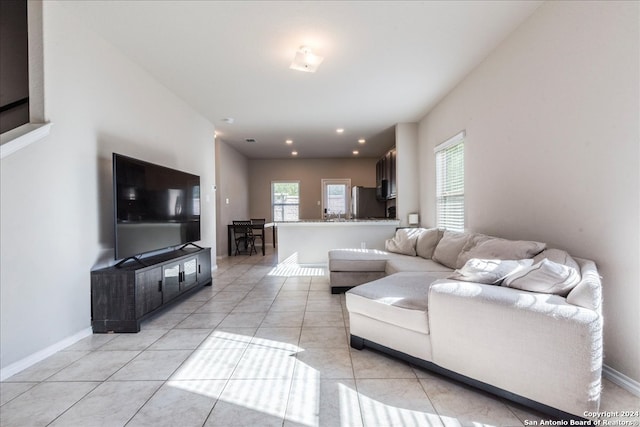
(265, 345)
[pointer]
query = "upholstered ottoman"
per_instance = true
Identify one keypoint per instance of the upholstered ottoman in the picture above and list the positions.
(353, 267)
(392, 312)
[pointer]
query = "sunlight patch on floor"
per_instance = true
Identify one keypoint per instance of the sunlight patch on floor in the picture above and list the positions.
(388, 415)
(349, 406)
(304, 399)
(290, 268)
(261, 376)
(265, 376)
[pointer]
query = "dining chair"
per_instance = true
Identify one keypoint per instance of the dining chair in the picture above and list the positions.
(243, 232)
(258, 233)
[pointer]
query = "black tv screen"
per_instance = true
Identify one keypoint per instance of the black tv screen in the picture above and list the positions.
(155, 207)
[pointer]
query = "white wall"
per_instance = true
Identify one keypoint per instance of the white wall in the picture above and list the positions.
(552, 149)
(56, 218)
(408, 198)
(232, 180)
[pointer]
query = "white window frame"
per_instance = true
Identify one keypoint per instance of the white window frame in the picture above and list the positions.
(273, 204)
(346, 182)
(37, 128)
(453, 219)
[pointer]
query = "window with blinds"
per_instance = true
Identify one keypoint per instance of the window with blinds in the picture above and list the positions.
(285, 200)
(450, 183)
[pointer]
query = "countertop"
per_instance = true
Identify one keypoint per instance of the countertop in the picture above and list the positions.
(320, 222)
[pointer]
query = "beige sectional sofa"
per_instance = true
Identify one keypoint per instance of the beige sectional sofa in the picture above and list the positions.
(511, 317)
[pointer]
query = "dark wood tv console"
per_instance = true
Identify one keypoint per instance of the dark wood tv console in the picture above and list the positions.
(122, 296)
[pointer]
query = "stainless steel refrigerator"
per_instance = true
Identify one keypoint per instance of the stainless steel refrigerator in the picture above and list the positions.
(364, 204)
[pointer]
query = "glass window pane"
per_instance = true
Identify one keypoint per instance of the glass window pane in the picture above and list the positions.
(286, 200)
(337, 198)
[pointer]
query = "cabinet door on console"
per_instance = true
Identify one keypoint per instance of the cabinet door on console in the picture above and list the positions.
(148, 291)
(204, 266)
(170, 281)
(189, 274)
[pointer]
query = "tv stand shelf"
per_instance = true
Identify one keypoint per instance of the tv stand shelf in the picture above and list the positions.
(122, 296)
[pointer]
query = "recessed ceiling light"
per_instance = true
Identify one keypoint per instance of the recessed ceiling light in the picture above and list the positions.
(289, 141)
(294, 153)
(340, 130)
(305, 60)
(356, 152)
(361, 141)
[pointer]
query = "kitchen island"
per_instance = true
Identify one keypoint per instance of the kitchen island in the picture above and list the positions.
(308, 242)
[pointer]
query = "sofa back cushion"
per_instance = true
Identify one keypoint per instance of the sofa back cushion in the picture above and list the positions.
(449, 247)
(427, 241)
(486, 247)
(404, 241)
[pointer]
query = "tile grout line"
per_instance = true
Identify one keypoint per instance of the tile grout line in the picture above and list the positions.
(239, 359)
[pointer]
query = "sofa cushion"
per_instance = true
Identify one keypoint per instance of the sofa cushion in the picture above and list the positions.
(449, 247)
(427, 241)
(399, 299)
(357, 260)
(404, 241)
(546, 277)
(489, 271)
(486, 247)
(400, 263)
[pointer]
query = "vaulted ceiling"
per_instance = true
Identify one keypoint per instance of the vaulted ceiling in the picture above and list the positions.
(385, 62)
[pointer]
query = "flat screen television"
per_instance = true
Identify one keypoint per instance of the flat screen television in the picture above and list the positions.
(155, 207)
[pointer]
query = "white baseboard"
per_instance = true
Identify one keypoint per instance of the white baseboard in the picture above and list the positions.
(28, 361)
(632, 386)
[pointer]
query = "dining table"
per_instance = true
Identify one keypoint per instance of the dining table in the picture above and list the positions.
(255, 226)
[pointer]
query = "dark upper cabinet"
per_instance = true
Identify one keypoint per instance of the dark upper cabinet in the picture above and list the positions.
(391, 160)
(386, 187)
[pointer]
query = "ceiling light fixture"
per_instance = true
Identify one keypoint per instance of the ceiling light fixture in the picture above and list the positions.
(362, 141)
(305, 60)
(356, 152)
(289, 141)
(294, 153)
(340, 130)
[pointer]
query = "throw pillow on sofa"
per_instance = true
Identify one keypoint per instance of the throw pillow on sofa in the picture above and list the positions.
(487, 247)
(546, 277)
(558, 256)
(404, 242)
(427, 241)
(489, 271)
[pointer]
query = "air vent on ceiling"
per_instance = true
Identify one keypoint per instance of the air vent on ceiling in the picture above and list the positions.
(252, 140)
